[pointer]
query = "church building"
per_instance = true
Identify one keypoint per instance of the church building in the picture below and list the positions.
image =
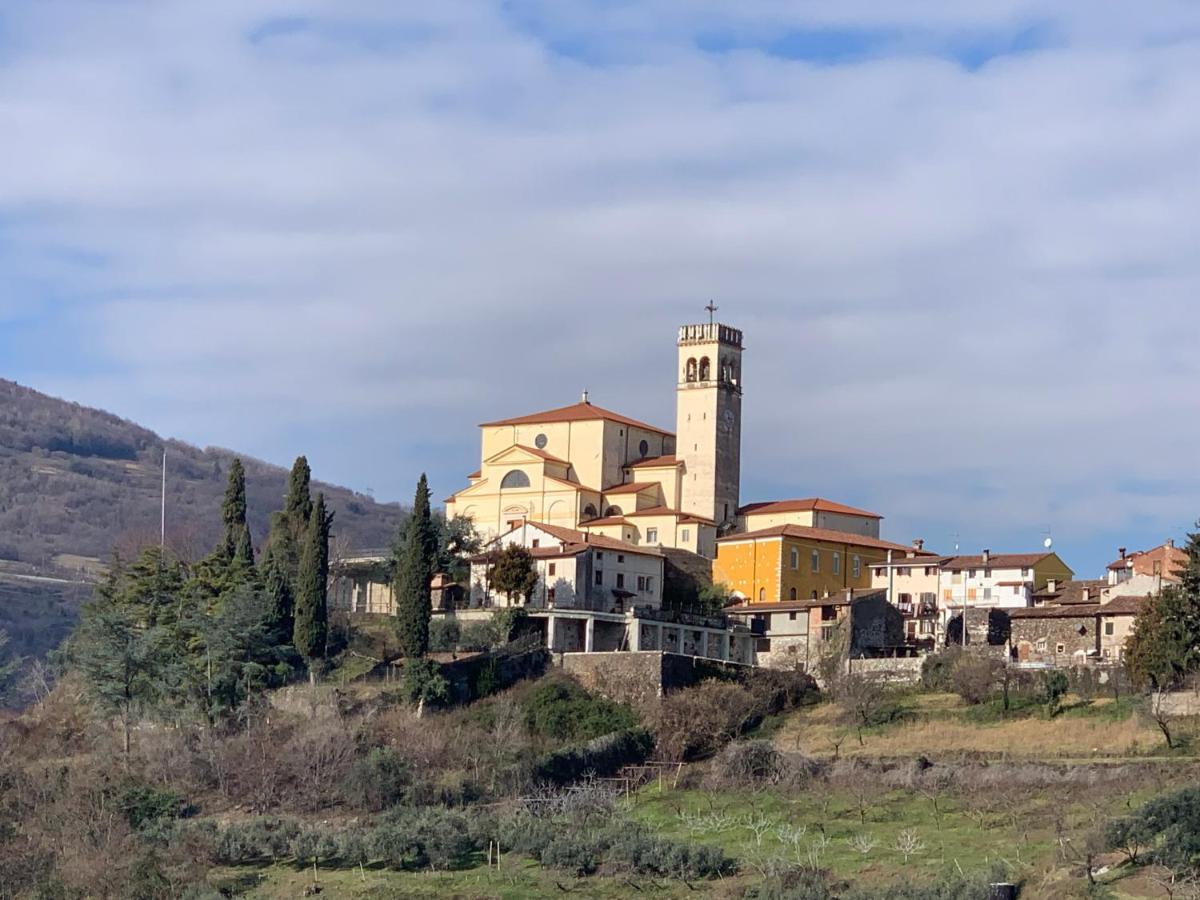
(601, 473)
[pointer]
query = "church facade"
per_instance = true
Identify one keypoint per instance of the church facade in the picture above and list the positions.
(592, 470)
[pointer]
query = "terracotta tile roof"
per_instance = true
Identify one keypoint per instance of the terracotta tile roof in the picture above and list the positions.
(822, 534)
(996, 561)
(549, 457)
(667, 511)
(1068, 592)
(571, 484)
(607, 520)
(633, 487)
(842, 598)
(818, 504)
(478, 473)
(571, 537)
(920, 559)
(1125, 605)
(576, 412)
(1073, 611)
(655, 462)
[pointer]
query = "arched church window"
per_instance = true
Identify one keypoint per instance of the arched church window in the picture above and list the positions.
(733, 374)
(589, 511)
(613, 511)
(691, 369)
(514, 479)
(762, 595)
(792, 594)
(724, 373)
(814, 596)
(644, 448)
(705, 369)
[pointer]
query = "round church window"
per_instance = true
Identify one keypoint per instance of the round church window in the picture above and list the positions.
(540, 441)
(644, 447)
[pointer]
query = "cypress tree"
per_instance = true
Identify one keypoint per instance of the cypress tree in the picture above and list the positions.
(311, 627)
(298, 505)
(243, 556)
(415, 565)
(281, 617)
(233, 514)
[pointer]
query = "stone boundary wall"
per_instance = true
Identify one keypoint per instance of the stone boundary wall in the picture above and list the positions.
(900, 670)
(643, 675)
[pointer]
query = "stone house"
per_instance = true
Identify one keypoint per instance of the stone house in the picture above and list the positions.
(1056, 635)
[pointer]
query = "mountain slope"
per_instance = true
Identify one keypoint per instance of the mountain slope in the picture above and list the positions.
(79, 482)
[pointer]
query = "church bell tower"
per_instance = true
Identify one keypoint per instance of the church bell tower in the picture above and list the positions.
(708, 419)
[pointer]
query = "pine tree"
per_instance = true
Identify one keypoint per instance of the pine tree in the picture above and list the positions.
(233, 514)
(415, 564)
(311, 628)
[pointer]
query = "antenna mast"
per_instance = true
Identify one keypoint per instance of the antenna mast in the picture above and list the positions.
(162, 532)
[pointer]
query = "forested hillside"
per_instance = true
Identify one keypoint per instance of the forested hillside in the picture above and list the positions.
(80, 481)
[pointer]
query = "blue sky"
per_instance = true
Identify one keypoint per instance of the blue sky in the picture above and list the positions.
(960, 238)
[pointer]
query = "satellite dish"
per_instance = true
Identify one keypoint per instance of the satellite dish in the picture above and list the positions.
(1048, 543)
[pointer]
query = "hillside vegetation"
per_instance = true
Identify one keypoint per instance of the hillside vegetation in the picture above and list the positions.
(76, 481)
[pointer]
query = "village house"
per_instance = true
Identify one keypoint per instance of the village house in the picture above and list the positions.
(793, 634)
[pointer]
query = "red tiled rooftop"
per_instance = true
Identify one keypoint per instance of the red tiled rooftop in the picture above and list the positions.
(576, 412)
(807, 504)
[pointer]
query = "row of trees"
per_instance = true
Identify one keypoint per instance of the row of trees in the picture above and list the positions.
(170, 640)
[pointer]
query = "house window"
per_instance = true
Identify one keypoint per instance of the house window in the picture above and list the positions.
(599, 556)
(987, 593)
(550, 595)
(762, 595)
(1041, 645)
(763, 645)
(795, 558)
(1158, 568)
(856, 566)
(552, 568)
(816, 561)
(926, 626)
(536, 542)
(599, 578)
(972, 593)
(1016, 589)
(1109, 629)
(1024, 573)
(1060, 648)
(930, 571)
(970, 573)
(685, 535)
(837, 564)
(947, 594)
(620, 579)
(515, 479)
(904, 571)
(649, 583)
(620, 557)
(652, 535)
(792, 615)
(641, 583)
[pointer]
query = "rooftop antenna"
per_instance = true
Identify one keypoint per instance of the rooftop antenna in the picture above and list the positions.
(712, 309)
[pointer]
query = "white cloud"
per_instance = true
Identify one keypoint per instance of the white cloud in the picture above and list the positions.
(399, 223)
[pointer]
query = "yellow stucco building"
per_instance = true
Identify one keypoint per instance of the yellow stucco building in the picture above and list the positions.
(797, 562)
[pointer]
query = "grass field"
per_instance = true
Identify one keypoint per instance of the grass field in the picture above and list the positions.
(938, 724)
(866, 829)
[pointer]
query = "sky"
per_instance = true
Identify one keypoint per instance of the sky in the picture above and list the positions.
(960, 238)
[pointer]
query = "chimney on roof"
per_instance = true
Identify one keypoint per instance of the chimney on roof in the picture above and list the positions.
(1170, 543)
(987, 556)
(918, 544)
(585, 397)
(1121, 550)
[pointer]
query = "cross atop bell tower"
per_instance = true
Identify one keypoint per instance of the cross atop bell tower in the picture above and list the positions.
(708, 418)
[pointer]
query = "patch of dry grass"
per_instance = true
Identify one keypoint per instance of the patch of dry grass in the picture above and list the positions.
(937, 724)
